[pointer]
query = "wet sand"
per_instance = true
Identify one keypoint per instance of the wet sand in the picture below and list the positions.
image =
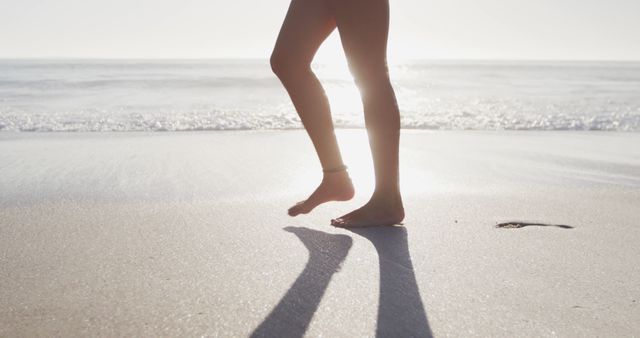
(173, 234)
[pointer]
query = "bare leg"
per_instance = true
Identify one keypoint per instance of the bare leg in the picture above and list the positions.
(306, 26)
(364, 27)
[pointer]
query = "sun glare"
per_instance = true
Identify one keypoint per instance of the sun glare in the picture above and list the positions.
(354, 145)
(345, 100)
(341, 90)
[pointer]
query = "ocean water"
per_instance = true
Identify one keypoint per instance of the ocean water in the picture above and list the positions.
(180, 95)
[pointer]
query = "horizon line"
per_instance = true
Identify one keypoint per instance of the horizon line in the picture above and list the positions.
(95, 58)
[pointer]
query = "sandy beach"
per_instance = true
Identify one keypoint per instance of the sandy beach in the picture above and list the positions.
(186, 234)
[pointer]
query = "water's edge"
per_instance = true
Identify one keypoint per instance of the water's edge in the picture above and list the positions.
(202, 95)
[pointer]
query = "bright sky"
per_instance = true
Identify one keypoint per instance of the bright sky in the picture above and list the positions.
(433, 29)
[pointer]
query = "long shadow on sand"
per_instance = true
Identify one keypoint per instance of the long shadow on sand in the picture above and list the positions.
(292, 315)
(400, 309)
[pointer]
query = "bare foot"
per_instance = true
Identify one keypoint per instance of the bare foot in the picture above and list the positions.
(379, 211)
(335, 186)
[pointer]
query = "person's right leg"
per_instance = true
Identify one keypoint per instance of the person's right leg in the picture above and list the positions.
(307, 24)
(364, 28)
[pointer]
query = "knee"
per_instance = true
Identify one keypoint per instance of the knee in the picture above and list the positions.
(286, 67)
(278, 64)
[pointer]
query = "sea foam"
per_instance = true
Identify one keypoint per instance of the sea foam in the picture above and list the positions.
(239, 95)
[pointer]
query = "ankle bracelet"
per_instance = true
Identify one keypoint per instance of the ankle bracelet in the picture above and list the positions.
(335, 169)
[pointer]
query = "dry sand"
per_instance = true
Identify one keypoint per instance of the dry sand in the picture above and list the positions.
(186, 234)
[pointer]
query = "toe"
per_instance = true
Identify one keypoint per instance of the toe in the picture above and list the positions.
(337, 221)
(346, 219)
(296, 209)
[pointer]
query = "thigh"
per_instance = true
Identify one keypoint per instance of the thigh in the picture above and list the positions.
(364, 28)
(307, 24)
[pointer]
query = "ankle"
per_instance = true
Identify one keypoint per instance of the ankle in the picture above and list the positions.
(335, 169)
(389, 197)
(335, 175)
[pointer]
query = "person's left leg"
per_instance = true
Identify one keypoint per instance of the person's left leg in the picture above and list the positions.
(364, 26)
(307, 24)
